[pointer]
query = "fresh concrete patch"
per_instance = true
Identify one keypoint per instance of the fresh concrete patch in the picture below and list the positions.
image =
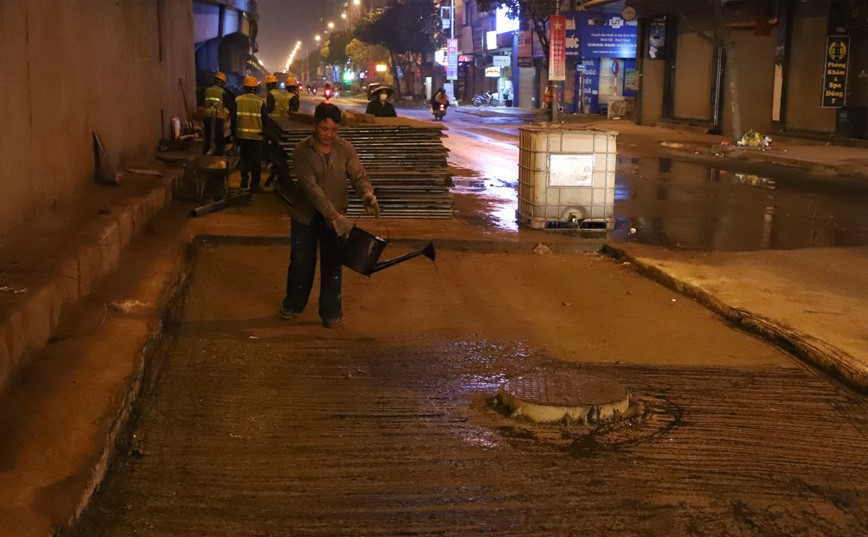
(815, 351)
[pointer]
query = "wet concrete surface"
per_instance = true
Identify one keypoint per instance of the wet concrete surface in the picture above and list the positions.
(259, 427)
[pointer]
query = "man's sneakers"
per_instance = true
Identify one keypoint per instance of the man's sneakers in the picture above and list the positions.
(333, 322)
(286, 314)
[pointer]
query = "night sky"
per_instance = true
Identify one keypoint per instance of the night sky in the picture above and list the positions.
(283, 22)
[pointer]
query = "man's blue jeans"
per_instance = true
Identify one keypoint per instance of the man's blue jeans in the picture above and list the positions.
(302, 266)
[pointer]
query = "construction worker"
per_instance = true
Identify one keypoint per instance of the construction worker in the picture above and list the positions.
(276, 101)
(292, 93)
(292, 104)
(218, 105)
(248, 119)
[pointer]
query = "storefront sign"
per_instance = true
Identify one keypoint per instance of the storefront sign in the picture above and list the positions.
(592, 35)
(490, 40)
(557, 48)
(657, 39)
(524, 46)
(452, 59)
(500, 61)
(835, 72)
(492, 72)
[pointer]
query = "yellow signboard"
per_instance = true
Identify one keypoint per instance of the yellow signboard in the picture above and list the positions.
(835, 71)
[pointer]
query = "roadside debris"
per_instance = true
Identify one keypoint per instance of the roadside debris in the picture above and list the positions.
(754, 139)
(7, 289)
(229, 201)
(542, 249)
(129, 306)
(672, 145)
(104, 170)
(140, 171)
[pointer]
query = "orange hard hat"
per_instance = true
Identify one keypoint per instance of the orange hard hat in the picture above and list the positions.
(291, 81)
(220, 76)
(271, 79)
(250, 82)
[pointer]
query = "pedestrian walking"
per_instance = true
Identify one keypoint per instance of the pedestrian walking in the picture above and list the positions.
(323, 162)
(219, 103)
(379, 104)
(248, 118)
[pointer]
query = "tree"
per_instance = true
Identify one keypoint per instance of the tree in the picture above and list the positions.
(405, 28)
(360, 52)
(537, 12)
(334, 52)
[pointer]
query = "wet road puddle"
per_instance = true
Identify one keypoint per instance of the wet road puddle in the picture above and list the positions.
(691, 206)
(696, 207)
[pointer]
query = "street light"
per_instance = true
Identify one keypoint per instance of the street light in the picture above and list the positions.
(331, 25)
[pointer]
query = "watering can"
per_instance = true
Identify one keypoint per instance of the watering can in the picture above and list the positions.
(361, 252)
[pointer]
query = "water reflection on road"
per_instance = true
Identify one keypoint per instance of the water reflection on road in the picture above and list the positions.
(693, 206)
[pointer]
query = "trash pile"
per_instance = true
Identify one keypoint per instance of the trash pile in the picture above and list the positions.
(754, 139)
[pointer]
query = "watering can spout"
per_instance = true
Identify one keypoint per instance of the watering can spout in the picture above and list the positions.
(427, 251)
(361, 252)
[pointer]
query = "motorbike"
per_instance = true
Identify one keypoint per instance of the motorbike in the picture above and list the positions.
(439, 110)
(327, 93)
(486, 98)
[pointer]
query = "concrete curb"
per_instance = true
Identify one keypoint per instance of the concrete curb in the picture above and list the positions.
(809, 349)
(26, 326)
(145, 372)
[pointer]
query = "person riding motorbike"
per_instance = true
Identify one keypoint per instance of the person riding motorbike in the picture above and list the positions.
(439, 104)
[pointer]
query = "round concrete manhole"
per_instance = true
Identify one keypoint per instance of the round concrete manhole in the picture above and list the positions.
(554, 397)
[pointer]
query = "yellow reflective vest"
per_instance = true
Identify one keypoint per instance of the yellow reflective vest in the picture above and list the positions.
(248, 122)
(281, 103)
(214, 102)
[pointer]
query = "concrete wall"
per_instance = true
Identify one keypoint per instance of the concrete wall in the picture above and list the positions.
(70, 67)
(651, 91)
(804, 77)
(694, 67)
(754, 58)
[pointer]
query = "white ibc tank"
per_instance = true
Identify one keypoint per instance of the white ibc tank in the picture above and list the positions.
(566, 176)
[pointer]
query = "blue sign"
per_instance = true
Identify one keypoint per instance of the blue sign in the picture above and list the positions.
(600, 35)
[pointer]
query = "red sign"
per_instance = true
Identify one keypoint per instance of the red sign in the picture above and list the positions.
(557, 48)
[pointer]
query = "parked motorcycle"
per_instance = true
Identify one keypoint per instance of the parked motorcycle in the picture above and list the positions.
(439, 111)
(486, 98)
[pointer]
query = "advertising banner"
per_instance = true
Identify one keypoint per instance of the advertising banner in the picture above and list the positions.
(835, 71)
(590, 35)
(557, 48)
(452, 59)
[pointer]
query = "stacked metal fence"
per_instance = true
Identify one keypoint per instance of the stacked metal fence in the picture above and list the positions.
(406, 165)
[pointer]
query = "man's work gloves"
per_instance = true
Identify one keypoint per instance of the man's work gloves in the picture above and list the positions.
(342, 225)
(369, 201)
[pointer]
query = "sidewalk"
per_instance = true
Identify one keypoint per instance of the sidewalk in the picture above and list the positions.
(63, 414)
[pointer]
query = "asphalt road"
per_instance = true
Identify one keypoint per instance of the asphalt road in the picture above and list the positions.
(388, 426)
(258, 427)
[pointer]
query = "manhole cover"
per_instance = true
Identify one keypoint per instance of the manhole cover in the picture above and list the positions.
(547, 398)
